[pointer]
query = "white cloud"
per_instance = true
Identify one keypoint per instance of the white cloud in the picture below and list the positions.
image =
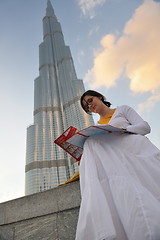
(79, 56)
(93, 31)
(87, 6)
(135, 53)
(149, 103)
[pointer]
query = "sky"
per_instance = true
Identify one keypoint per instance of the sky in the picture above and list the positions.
(115, 49)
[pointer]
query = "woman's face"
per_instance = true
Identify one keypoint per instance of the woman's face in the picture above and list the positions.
(94, 104)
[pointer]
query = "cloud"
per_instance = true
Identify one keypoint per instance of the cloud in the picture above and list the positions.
(135, 54)
(87, 6)
(149, 103)
(93, 31)
(79, 56)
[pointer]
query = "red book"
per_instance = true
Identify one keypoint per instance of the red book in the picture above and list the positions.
(62, 141)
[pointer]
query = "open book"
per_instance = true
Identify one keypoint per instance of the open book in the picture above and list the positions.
(72, 140)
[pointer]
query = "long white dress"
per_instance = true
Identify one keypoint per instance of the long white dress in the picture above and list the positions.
(120, 183)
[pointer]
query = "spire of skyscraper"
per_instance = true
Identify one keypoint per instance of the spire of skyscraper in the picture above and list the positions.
(56, 107)
(49, 9)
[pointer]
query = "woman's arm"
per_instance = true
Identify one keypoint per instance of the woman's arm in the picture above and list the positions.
(138, 125)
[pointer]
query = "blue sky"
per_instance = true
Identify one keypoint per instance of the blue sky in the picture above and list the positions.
(115, 48)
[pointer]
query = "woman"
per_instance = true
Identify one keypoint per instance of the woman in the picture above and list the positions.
(119, 177)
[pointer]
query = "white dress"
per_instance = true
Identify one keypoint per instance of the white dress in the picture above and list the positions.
(120, 183)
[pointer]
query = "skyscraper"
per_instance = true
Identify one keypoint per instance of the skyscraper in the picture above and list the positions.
(56, 107)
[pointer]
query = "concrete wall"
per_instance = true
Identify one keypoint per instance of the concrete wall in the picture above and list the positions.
(51, 215)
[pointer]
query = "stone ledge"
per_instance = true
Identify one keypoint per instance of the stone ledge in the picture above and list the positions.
(56, 226)
(40, 204)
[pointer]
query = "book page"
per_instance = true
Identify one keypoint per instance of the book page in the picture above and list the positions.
(80, 137)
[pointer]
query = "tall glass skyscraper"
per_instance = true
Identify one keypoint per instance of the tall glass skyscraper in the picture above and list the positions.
(56, 107)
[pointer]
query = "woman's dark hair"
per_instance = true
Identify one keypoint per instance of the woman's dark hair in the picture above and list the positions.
(93, 94)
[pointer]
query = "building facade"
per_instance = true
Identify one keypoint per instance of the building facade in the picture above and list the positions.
(56, 107)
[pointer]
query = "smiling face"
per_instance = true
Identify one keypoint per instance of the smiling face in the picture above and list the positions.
(93, 104)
